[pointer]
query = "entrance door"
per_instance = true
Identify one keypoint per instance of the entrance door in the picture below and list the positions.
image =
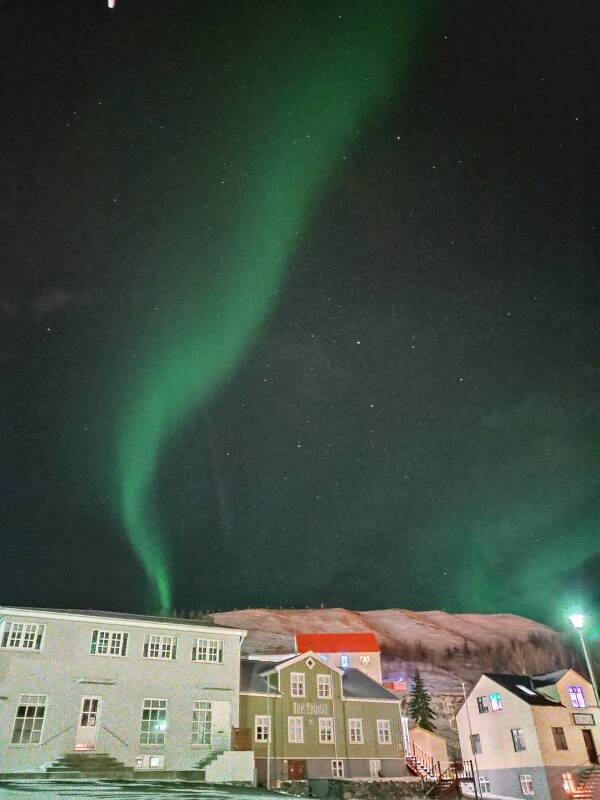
(88, 723)
(296, 770)
(590, 746)
(406, 736)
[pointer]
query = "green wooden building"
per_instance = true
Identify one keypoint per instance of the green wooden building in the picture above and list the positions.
(307, 719)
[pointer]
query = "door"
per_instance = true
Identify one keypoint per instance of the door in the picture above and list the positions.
(590, 746)
(87, 728)
(296, 769)
(220, 725)
(375, 767)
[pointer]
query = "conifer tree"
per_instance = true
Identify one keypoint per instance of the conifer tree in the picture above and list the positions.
(419, 707)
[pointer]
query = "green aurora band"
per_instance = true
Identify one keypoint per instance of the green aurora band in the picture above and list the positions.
(316, 87)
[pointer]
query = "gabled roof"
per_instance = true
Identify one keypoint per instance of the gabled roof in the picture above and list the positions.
(279, 665)
(550, 678)
(252, 679)
(522, 686)
(358, 686)
(337, 642)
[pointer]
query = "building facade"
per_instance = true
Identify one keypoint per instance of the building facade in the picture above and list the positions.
(307, 718)
(344, 650)
(153, 693)
(530, 736)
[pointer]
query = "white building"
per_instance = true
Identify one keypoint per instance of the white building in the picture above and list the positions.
(531, 736)
(149, 693)
(356, 650)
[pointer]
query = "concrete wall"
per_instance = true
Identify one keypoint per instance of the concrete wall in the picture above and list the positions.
(232, 767)
(65, 671)
(505, 783)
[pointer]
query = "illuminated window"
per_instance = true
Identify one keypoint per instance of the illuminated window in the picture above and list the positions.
(337, 768)
(201, 723)
(355, 731)
(569, 783)
(324, 685)
(526, 784)
(525, 689)
(154, 762)
(164, 647)
(326, 730)
(29, 719)
(323, 656)
(560, 740)
(496, 702)
(154, 722)
(384, 733)
(483, 704)
(108, 643)
(295, 730)
(343, 662)
(518, 739)
(577, 696)
(365, 659)
(298, 684)
(484, 784)
(208, 650)
(21, 635)
(262, 725)
(475, 743)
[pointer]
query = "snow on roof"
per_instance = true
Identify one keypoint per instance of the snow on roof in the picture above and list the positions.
(337, 642)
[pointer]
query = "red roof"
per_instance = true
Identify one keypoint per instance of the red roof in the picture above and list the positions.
(337, 643)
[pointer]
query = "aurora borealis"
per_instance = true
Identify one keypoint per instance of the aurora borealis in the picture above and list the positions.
(300, 306)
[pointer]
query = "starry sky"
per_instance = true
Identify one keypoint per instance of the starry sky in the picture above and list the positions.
(299, 305)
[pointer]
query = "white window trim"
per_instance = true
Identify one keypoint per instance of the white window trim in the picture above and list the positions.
(111, 634)
(337, 768)
(165, 709)
(296, 729)
(374, 767)
(324, 683)
(326, 724)
(523, 779)
(196, 726)
(162, 641)
(355, 727)
(259, 721)
(208, 651)
(39, 633)
(298, 678)
(484, 781)
(384, 731)
(25, 701)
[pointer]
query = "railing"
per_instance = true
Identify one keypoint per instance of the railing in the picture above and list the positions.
(56, 735)
(116, 736)
(423, 761)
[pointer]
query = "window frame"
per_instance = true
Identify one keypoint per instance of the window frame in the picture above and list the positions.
(559, 737)
(475, 739)
(297, 681)
(324, 682)
(259, 722)
(110, 637)
(161, 646)
(326, 726)
(485, 786)
(525, 779)
(199, 726)
(384, 726)
(578, 692)
(518, 737)
(337, 768)
(29, 700)
(483, 704)
(161, 734)
(355, 730)
(208, 651)
(344, 660)
(37, 636)
(495, 702)
(295, 726)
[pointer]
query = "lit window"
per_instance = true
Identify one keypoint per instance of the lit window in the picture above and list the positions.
(208, 650)
(577, 696)
(21, 636)
(526, 784)
(496, 702)
(475, 744)
(525, 689)
(324, 685)
(108, 643)
(365, 659)
(295, 730)
(201, 723)
(569, 783)
(337, 768)
(262, 726)
(518, 739)
(343, 662)
(483, 704)
(323, 656)
(484, 784)
(297, 684)
(164, 647)
(154, 722)
(326, 730)
(29, 719)
(384, 734)
(154, 762)
(560, 740)
(355, 731)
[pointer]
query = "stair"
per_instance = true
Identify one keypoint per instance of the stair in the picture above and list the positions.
(204, 762)
(589, 786)
(89, 765)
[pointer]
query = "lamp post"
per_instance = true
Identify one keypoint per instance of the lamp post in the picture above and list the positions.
(578, 621)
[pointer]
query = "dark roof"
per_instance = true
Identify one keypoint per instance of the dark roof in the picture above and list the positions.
(514, 683)
(359, 686)
(251, 678)
(116, 615)
(549, 679)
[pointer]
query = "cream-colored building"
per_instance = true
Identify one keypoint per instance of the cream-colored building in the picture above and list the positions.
(530, 736)
(356, 650)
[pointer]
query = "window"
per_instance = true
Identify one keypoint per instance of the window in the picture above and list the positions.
(577, 696)
(108, 643)
(483, 704)
(484, 784)
(154, 722)
(21, 636)
(569, 783)
(355, 731)
(526, 784)
(343, 661)
(324, 685)
(518, 739)
(323, 656)
(496, 702)
(375, 767)
(337, 768)
(201, 722)
(365, 659)
(297, 684)
(208, 650)
(29, 719)
(326, 730)
(160, 647)
(384, 734)
(154, 762)
(475, 743)
(560, 740)
(295, 730)
(262, 725)
(525, 689)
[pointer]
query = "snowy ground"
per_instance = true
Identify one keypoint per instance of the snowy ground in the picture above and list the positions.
(96, 790)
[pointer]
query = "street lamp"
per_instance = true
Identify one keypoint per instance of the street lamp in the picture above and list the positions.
(578, 621)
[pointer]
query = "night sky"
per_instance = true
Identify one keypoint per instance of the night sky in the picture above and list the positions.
(299, 305)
